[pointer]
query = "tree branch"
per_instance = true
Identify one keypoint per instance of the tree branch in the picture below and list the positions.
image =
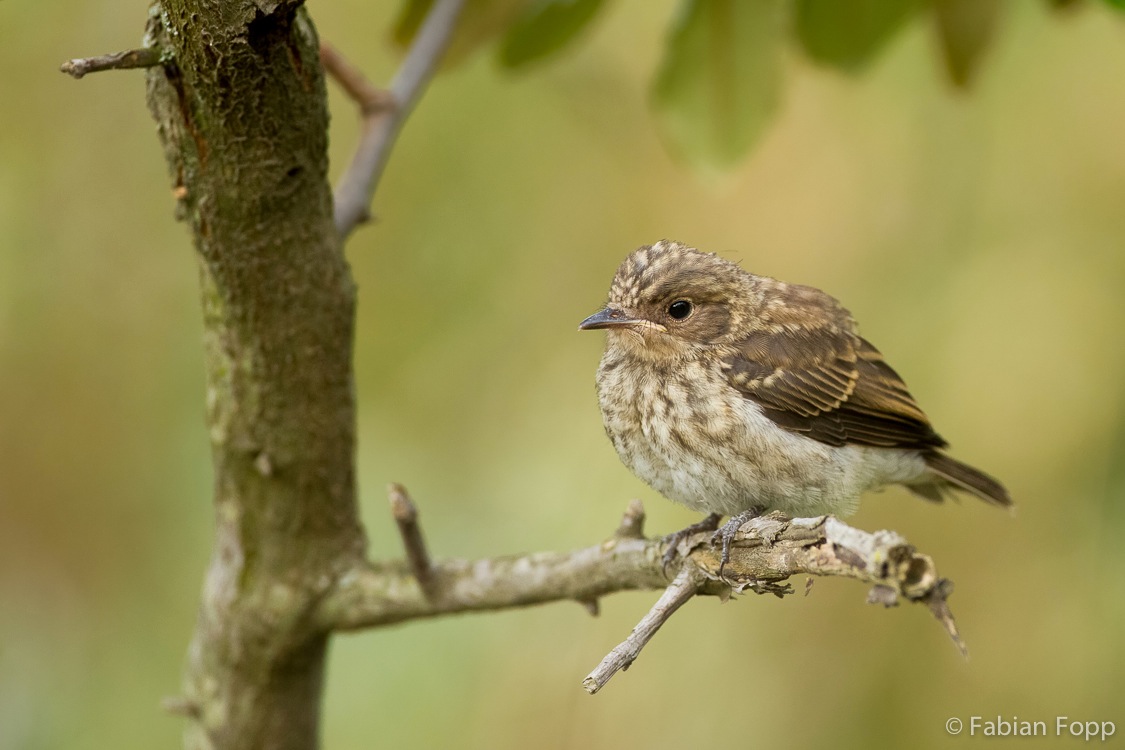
(767, 551)
(387, 593)
(144, 57)
(384, 112)
(406, 516)
(625, 653)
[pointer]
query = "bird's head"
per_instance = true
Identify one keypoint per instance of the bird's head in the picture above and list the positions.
(671, 299)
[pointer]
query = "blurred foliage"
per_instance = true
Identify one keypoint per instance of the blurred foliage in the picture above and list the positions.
(719, 81)
(544, 28)
(849, 35)
(977, 239)
(480, 22)
(965, 29)
(719, 84)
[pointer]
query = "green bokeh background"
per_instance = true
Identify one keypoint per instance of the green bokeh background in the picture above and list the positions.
(979, 239)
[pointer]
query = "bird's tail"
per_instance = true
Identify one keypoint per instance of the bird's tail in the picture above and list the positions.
(949, 472)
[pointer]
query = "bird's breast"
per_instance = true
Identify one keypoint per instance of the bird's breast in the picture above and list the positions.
(681, 428)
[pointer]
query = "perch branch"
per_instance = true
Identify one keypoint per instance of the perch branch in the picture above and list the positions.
(145, 57)
(383, 112)
(766, 552)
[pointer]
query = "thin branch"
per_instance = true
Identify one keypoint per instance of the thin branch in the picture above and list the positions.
(145, 57)
(371, 99)
(387, 593)
(406, 516)
(632, 524)
(938, 602)
(684, 587)
(383, 113)
(766, 552)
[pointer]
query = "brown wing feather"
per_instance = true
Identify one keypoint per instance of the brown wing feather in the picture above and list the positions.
(811, 373)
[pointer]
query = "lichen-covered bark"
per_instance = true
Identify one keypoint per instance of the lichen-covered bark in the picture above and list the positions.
(241, 111)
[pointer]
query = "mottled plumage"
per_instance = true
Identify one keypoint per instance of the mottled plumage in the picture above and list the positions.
(728, 392)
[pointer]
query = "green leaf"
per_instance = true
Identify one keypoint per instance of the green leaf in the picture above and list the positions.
(480, 22)
(720, 80)
(965, 29)
(410, 17)
(1116, 4)
(849, 34)
(545, 27)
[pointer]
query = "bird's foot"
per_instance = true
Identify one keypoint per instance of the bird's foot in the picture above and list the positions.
(727, 532)
(710, 523)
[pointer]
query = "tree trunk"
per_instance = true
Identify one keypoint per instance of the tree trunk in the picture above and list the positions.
(241, 110)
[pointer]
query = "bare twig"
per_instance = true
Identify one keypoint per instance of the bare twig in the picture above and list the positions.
(178, 705)
(383, 113)
(371, 99)
(684, 587)
(145, 57)
(406, 516)
(592, 606)
(765, 553)
(632, 524)
(937, 601)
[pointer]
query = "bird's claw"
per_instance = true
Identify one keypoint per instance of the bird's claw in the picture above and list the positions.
(727, 532)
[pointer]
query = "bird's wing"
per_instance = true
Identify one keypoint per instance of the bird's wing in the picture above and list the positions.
(812, 373)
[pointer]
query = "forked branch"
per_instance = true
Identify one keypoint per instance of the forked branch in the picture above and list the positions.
(383, 112)
(767, 551)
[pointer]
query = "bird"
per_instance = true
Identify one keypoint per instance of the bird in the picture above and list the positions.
(735, 394)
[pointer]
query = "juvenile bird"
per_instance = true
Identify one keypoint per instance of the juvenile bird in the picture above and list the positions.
(734, 394)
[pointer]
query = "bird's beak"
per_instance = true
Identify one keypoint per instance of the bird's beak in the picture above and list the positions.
(608, 318)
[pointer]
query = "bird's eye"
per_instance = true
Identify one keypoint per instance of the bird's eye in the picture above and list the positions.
(680, 309)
